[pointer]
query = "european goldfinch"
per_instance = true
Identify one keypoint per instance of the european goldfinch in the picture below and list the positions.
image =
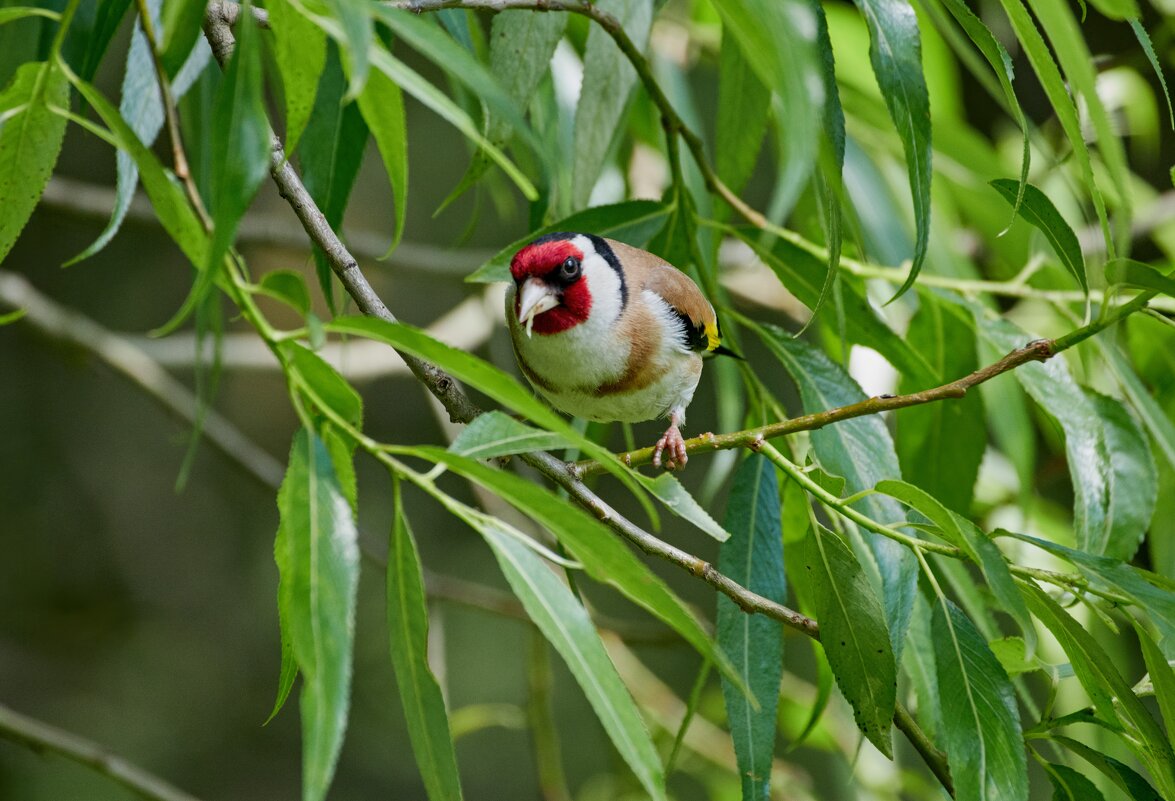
(610, 332)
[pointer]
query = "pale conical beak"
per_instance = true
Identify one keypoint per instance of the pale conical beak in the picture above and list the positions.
(534, 298)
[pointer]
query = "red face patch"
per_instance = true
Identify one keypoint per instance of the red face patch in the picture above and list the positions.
(540, 261)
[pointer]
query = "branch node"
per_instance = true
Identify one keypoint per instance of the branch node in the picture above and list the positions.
(757, 443)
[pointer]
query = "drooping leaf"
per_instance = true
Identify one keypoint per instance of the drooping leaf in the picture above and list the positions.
(604, 557)
(1138, 274)
(940, 445)
(678, 500)
(1039, 211)
(318, 591)
(327, 387)
(777, 40)
(300, 52)
(30, 139)
(753, 557)
(1069, 785)
(240, 127)
(355, 35)
(1001, 64)
(13, 13)
(1160, 426)
(494, 434)
(167, 197)
(566, 625)
(861, 451)
(1110, 693)
(1133, 481)
(420, 695)
(743, 103)
(895, 50)
(981, 723)
(382, 105)
(852, 630)
(1125, 777)
(107, 18)
(999, 580)
(1041, 59)
(332, 150)
(608, 77)
(1144, 39)
(1162, 677)
(180, 22)
(142, 108)
(633, 222)
(287, 286)
(521, 46)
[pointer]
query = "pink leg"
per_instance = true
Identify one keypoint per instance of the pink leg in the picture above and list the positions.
(674, 443)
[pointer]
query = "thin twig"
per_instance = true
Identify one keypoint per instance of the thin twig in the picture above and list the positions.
(42, 737)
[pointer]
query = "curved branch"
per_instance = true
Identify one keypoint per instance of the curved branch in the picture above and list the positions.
(42, 737)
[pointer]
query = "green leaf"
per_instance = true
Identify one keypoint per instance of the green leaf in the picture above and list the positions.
(852, 631)
(860, 450)
(1138, 274)
(494, 434)
(167, 197)
(1153, 416)
(142, 108)
(181, 21)
(107, 18)
(608, 78)
(895, 50)
(981, 724)
(328, 388)
(332, 151)
(603, 556)
(743, 103)
(830, 186)
(1111, 695)
(411, 82)
(1148, 48)
(1039, 211)
(355, 35)
(669, 491)
(566, 625)
(12, 316)
(319, 589)
(633, 222)
(521, 46)
(486, 378)
(300, 52)
(1001, 65)
(1041, 59)
(777, 39)
(30, 139)
(1012, 652)
(1133, 481)
(420, 695)
(240, 127)
(1125, 777)
(13, 13)
(924, 503)
(753, 557)
(1161, 675)
(287, 286)
(803, 275)
(999, 580)
(382, 105)
(1069, 785)
(940, 445)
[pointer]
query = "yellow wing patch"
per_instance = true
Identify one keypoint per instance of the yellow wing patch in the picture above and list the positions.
(713, 338)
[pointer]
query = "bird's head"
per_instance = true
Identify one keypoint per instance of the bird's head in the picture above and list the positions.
(559, 277)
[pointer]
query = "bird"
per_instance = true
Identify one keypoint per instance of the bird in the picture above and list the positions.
(609, 332)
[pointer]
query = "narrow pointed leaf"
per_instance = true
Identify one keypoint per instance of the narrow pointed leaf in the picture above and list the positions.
(420, 695)
(1162, 678)
(1110, 693)
(1133, 481)
(521, 46)
(1138, 274)
(852, 630)
(495, 434)
(566, 625)
(319, 589)
(30, 139)
(895, 50)
(608, 78)
(287, 286)
(1145, 40)
(753, 557)
(743, 103)
(356, 33)
(981, 723)
(1041, 214)
(669, 491)
(326, 386)
(382, 105)
(861, 451)
(1069, 785)
(300, 52)
(1123, 776)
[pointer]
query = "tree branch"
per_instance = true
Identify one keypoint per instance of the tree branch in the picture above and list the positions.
(42, 737)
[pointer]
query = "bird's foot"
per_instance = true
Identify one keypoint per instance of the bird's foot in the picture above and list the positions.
(673, 444)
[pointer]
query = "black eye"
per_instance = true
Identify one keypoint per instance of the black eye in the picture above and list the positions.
(570, 269)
